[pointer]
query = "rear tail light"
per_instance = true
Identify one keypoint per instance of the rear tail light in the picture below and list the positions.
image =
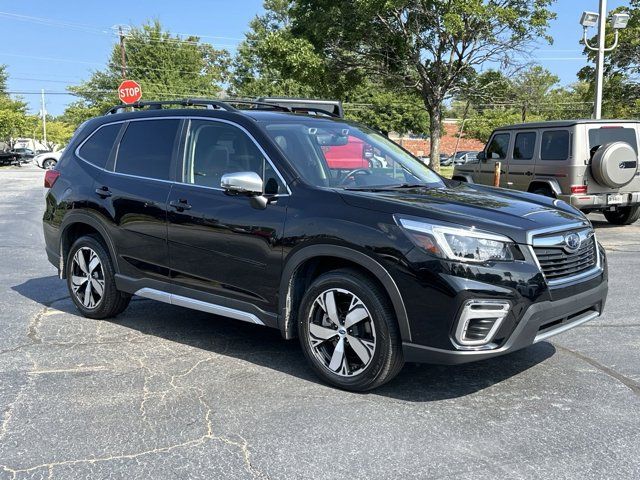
(578, 189)
(50, 177)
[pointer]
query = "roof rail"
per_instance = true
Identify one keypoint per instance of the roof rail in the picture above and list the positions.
(187, 102)
(265, 105)
(316, 110)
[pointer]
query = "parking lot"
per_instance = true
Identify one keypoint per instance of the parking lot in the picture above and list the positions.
(164, 392)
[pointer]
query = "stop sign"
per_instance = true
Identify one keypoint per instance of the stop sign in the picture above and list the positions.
(129, 92)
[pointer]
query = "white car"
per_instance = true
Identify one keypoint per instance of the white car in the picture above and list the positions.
(47, 160)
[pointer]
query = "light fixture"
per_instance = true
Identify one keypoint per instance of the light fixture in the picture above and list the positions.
(589, 19)
(619, 20)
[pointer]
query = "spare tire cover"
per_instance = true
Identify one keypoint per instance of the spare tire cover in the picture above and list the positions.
(614, 164)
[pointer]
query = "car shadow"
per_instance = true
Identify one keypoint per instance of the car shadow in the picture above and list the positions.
(266, 348)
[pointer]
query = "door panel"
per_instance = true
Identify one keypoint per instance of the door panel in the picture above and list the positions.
(223, 245)
(496, 151)
(219, 243)
(521, 163)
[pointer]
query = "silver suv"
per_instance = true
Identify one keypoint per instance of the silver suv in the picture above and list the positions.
(590, 164)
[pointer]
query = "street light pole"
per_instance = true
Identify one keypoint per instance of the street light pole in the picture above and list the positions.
(618, 22)
(600, 59)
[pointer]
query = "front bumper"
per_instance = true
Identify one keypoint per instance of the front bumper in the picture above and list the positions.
(597, 201)
(540, 320)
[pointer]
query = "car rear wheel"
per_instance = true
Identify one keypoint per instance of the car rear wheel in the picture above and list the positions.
(623, 215)
(348, 331)
(49, 163)
(91, 280)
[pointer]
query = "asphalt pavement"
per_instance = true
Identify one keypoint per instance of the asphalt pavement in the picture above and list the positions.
(165, 392)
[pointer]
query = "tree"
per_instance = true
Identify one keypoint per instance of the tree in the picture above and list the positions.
(14, 121)
(58, 133)
(273, 61)
(166, 67)
(430, 46)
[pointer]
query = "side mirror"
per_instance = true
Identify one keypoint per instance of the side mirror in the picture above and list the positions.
(244, 183)
(482, 156)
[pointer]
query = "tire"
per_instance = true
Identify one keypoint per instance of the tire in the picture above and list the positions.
(85, 294)
(623, 215)
(371, 350)
(49, 163)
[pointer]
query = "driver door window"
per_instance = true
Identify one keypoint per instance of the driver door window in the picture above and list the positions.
(214, 149)
(498, 147)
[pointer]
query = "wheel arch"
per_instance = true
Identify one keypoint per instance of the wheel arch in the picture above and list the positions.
(462, 178)
(307, 263)
(550, 183)
(77, 224)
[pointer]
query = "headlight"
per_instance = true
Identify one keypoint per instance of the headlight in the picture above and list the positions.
(465, 245)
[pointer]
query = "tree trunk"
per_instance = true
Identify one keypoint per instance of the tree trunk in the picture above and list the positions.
(435, 127)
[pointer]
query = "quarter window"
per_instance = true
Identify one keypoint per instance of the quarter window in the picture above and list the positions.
(146, 148)
(498, 147)
(524, 146)
(97, 148)
(555, 145)
(215, 148)
(600, 136)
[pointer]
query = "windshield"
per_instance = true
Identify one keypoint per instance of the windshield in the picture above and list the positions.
(340, 154)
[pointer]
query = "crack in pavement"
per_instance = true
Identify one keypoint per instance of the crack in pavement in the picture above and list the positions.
(626, 381)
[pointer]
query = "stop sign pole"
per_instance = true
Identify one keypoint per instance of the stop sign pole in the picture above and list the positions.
(129, 92)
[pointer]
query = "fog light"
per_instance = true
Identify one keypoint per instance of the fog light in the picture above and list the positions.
(479, 321)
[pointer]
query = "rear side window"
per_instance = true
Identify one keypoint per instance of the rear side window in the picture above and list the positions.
(146, 148)
(524, 146)
(498, 147)
(98, 146)
(555, 145)
(600, 136)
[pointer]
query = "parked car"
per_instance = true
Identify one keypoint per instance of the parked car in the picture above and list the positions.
(10, 157)
(590, 164)
(26, 154)
(47, 160)
(462, 157)
(443, 160)
(238, 213)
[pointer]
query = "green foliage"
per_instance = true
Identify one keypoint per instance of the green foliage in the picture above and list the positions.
(14, 120)
(166, 67)
(58, 132)
(481, 125)
(430, 46)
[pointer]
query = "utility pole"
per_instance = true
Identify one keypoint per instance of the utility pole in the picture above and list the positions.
(123, 58)
(44, 119)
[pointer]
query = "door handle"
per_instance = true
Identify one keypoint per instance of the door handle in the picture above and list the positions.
(528, 174)
(180, 205)
(103, 191)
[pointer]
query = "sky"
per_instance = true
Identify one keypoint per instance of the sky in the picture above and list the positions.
(50, 44)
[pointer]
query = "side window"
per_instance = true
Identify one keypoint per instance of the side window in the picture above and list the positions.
(555, 145)
(498, 147)
(524, 146)
(146, 148)
(214, 149)
(97, 148)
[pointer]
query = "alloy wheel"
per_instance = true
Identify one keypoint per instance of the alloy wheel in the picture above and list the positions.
(87, 277)
(342, 334)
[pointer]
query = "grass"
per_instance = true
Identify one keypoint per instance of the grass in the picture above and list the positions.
(446, 171)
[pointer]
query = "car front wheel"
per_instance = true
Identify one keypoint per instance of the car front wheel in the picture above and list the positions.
(49, 163)
(348, 331)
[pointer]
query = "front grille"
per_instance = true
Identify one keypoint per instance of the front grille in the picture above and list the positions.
(557, 264)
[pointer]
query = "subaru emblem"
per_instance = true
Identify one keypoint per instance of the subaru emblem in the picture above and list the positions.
(572, 242)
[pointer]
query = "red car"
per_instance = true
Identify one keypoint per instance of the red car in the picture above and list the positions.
(355, 154)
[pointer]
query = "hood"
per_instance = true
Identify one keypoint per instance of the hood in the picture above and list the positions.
(496, 210)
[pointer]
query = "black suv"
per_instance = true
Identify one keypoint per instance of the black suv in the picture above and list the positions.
(235, 211)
